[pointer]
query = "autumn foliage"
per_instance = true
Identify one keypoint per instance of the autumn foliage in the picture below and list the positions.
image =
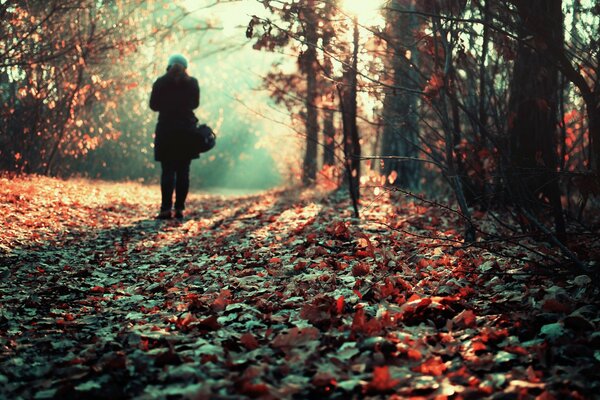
(429, 227)
(269, 296)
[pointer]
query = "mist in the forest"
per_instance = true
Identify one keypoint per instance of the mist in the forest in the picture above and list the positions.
(76, 101)
(248, 154)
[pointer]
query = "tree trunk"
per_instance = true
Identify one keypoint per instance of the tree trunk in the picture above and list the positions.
(593, 110)
(400, 118)
(482, 109)
(352, 150)
(353, 136)
(309, 59)
(533, 109)
(329, 114)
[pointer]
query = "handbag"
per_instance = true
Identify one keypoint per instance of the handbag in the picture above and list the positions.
(203, 139)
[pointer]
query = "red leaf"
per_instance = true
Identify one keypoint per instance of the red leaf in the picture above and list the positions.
(254, 390)
(414, 354)
(466, 319)
(98, 289)
(185, 321)
(478, 346)
(362, 253)
(361, 324)
(370, 251)
(339, 230)
(319, 311)
(339, 305)
(209, 324)
(249, 341)
(424, 303)
(517, 350)
(413, 297)
(432, 366)
(222, 300)
(382, 381)
(361, 269)
(387, 288)
(359, 320)
(434, 85)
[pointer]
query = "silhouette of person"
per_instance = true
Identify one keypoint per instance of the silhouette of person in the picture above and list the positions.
(174, 95)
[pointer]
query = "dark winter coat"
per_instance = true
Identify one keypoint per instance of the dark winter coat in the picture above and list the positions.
(175, 101)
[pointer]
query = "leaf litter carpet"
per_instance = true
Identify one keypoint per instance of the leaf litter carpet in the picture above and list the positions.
(280, 295)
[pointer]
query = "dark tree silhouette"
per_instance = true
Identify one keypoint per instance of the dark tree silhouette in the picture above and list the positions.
(533, 113)
(400, 135)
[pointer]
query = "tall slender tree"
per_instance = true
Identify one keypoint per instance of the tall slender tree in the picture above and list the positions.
(400, 114)
(328, 110)
(533, 111)
(309, 66)
(305, 29)
(348, 101)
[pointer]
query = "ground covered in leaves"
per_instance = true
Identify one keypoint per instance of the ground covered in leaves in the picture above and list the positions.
(280, 295)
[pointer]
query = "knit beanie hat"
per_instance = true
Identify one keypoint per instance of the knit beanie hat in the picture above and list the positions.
(178, 59)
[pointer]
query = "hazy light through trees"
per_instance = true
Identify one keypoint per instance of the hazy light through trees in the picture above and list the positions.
(76, 101)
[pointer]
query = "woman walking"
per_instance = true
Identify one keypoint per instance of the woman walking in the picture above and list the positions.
(174, 95)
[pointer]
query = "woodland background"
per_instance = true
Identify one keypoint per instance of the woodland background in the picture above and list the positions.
(403, 200)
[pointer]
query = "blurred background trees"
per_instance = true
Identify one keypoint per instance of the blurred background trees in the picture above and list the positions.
(60, 90)
(485, 98)
(75, 78)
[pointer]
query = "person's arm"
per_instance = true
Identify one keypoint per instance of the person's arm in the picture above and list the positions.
(195, 94)
(155, 97)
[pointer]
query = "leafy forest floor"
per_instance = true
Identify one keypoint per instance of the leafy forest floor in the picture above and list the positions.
(279, 295)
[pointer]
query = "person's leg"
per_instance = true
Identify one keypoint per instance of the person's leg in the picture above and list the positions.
(182, 184)
(167, 184)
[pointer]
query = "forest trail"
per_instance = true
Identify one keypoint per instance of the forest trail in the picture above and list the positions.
(275, 295)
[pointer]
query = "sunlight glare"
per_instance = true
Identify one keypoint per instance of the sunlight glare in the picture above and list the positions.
(233, 16)
(367, 12)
